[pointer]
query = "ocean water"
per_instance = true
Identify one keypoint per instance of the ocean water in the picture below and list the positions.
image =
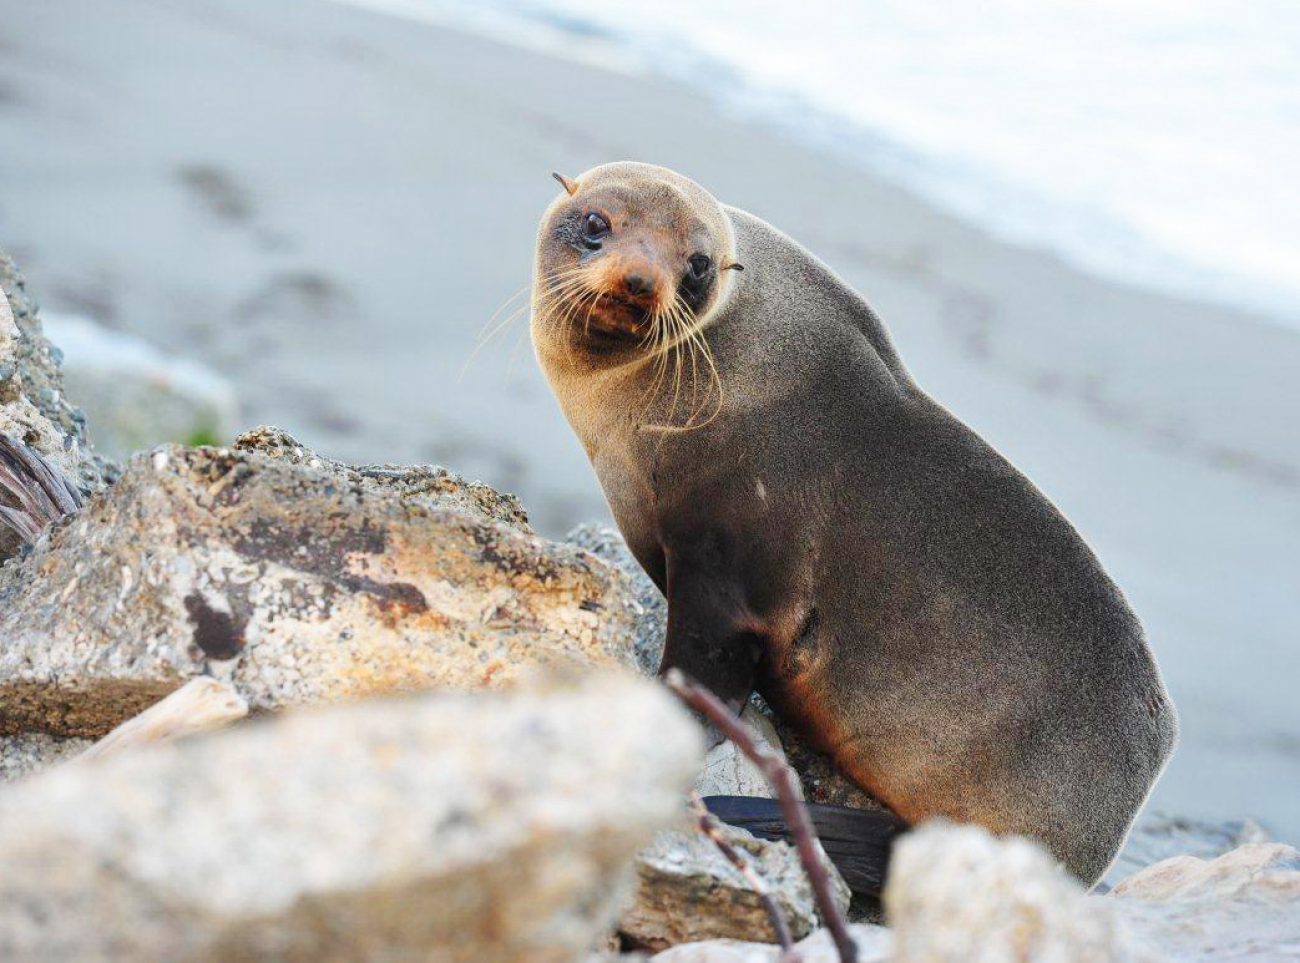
(1156, 142)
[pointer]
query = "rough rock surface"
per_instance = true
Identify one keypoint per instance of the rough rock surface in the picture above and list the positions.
(33, 408)
(31, 752)
(729, 772)
(135, 396)
(651, 622)
(389, 830)
(1243, 905)
(302, 579)
(688, 891)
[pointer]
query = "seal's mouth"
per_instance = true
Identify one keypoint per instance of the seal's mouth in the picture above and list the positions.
(616, 314)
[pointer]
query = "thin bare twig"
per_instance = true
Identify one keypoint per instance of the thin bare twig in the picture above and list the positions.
(781, 778)
(708, 824)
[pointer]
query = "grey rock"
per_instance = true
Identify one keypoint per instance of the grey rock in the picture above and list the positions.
(135, 396)
(33, 406)
(30, 752)
(299, 579)
(453, 826)
(729, 772)
(688, 891)
(651, 625)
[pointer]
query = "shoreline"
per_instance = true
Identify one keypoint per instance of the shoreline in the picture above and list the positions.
(327, 203)
(1104, 246)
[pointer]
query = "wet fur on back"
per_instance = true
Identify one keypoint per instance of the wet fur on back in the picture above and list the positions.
(894, 587)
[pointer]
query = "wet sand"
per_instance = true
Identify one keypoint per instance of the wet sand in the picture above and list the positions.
(328, 205)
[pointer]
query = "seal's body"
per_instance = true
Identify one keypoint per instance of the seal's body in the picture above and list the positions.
(828, 534)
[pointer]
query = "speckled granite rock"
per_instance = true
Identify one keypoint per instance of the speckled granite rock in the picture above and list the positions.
(33, 408)
(30, 752)
(302, 579)
(395, 829)
(652, 616)
(688, 891)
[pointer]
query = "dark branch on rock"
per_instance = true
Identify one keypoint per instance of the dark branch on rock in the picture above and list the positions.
(37, 492)
(782, 780)
(708, 825)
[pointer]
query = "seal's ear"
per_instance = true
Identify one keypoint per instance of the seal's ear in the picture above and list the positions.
(733, 266)
(568, 183)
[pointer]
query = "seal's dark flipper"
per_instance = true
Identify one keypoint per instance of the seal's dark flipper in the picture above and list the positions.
(33, 493)
(858, 841)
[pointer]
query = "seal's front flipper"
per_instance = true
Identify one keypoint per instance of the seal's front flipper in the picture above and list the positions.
(710, 638)
(858, 841)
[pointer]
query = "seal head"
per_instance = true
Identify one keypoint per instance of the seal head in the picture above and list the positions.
(631, 259)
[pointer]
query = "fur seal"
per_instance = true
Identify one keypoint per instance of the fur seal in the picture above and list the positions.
(827, 533)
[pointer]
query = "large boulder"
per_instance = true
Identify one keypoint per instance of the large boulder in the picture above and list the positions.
(33, 408)
(452, 826)
(300, 579)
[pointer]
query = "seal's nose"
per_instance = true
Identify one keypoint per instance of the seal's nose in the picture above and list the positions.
(638, 283)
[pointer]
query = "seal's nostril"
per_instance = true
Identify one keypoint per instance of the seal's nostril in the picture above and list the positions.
(638, 284)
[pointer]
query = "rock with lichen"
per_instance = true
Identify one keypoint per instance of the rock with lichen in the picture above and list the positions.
(33, 409)
(300, 579)
(457, 826)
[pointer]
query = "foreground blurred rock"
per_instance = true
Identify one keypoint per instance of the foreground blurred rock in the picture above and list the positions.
(453, 826)
(136, 397)
(33, 408)
(960, 894)
(302, 579)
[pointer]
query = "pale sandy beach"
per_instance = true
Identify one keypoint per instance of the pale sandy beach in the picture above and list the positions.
(328, 205)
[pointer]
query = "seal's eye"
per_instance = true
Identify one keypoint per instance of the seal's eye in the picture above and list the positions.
(596, 226)
(700, 265)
